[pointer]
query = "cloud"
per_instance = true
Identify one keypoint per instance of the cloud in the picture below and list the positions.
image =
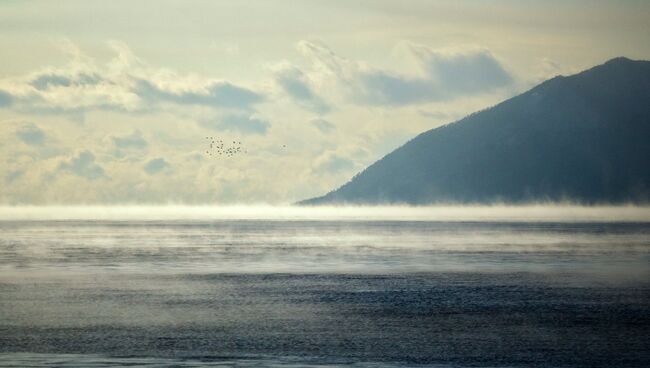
(461, 70)
(327, 62)
(441, 75)
(438, 115)
(134, 140)
(125, 83)
(30, 134)
(548, 68)
(156, 165)
(128, 84)
(46, 81)
(238, 122)
(382, 88)
(295, 84)
(13, 175)
(83, 165)
(332, 163)
(322, 125)
(216, 94)
(137, 128)
(6, 99)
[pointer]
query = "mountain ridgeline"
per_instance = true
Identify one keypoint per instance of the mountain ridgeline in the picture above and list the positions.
(582, 138)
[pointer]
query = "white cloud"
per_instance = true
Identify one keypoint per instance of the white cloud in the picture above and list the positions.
(321, 121)
(135, 140)
(13, 175)
(296, 84)
(242, 123)
(156, 165)
(215, 94)
(6, 99)
(30, 133)
(333, 163)
(548, 68)
(83, 165)
(323, 125)
(124, 83)
(444, 75)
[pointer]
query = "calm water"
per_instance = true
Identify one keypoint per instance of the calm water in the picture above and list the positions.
(293, 291)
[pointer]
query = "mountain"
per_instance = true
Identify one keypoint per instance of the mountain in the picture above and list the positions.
(583, 138)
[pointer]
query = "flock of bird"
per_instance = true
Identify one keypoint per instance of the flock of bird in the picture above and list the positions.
(220, 148)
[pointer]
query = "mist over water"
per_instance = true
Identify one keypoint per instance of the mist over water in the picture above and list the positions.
(256, 246)
(294, 286)
(494, 213)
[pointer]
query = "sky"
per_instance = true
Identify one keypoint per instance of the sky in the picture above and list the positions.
(111, 102)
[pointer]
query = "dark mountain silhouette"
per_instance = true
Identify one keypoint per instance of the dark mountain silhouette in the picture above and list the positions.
(583, 138)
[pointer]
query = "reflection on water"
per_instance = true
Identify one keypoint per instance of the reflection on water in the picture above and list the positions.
(314, 292)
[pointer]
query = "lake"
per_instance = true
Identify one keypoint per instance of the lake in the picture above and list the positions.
(292, 287)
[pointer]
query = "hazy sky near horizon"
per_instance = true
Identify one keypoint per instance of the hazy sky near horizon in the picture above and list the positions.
(111, 102)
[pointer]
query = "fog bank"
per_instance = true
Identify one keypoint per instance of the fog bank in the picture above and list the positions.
(494, 213)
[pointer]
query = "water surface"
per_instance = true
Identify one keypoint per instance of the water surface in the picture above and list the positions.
(421, 288)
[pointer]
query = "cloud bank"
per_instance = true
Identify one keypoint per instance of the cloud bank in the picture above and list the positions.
(317, 119)
(125, 83)
(442, 75)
